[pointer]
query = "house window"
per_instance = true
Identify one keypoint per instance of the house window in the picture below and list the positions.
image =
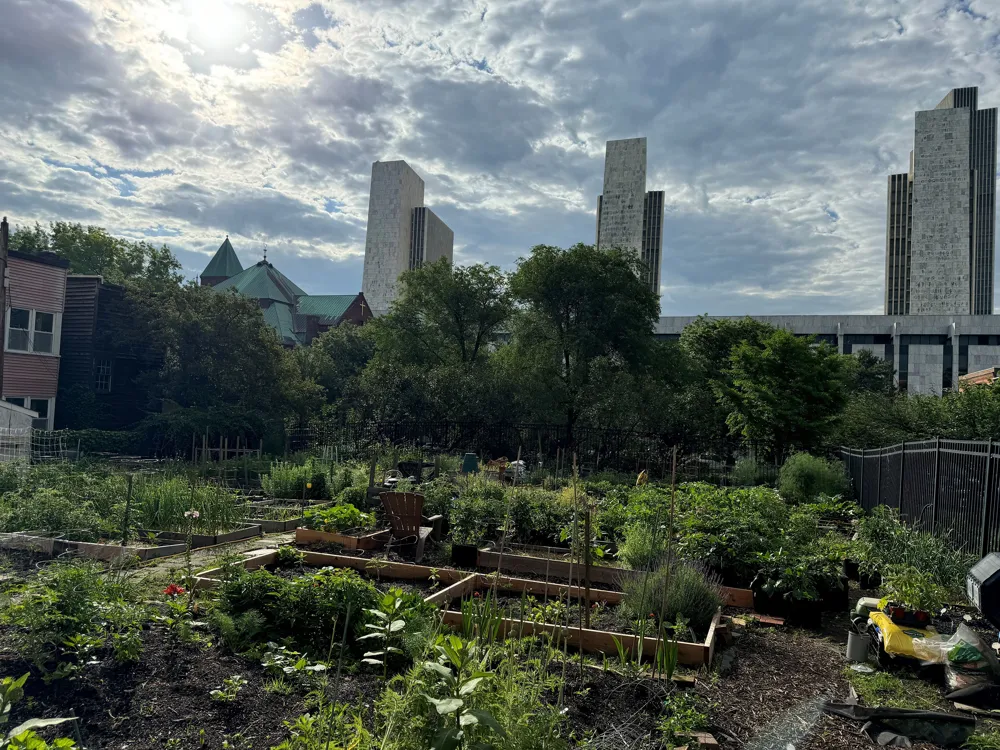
(17, 401)
(19, 338)
(44, 328)
(102, 375)
(31, 331)
(41, 406)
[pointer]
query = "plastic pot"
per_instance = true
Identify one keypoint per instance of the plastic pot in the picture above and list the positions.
(803, 613)
(465, 555)
(852, 569)
(857, 646)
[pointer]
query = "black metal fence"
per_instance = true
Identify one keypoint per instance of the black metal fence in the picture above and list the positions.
(943, 486)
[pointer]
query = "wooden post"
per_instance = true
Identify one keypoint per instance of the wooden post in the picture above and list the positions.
(204, 448)
(878, 480)
(220, 447)
(192, 448)
(260, 448)
(986, 497)
(861, 484)
(586, 562)
(128, 511)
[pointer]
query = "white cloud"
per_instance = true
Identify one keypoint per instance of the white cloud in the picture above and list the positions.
(771, 126)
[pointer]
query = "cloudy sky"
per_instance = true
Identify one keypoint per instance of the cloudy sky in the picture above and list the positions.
(771, 125)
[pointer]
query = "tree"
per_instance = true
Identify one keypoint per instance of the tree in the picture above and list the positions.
(335, 360)
(872, 374)
(434, 353)
(710, 342)
(92, 250)
(786, 393)
(580, 305)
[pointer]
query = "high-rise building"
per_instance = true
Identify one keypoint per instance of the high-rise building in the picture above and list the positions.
(940, 226)
(628, 216)
(403, 234)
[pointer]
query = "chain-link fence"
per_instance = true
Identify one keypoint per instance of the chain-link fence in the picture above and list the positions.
(943, 486)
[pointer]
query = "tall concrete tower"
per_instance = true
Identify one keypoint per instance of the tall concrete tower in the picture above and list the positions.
(402, 233)
(628, 216)
(940, 226)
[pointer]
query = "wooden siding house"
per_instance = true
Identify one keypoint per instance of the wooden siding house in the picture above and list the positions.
(36, 288)
(100, 365)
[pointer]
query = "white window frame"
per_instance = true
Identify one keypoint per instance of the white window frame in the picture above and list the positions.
(56, 332)
(110, 374)
(50, 419)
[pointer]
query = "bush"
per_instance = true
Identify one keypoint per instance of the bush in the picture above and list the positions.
(477, 513)
(337, 518)
(690, 594)
(538, 516)
(302, 609)
(749, 473)
(804, 477)
(644, 547)
(47, 509)
(438, 494)
(353, 495)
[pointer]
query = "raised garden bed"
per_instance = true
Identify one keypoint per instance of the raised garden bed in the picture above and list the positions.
(369, 540)
(245, 531)
(54, 546)
(604, 575)
(587, 639)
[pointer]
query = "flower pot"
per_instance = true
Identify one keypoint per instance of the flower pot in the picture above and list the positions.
(870, 581)
(768, 604)
(465, 555)
(803, 613)
(857, 646)
(834, 595)
(852, 569)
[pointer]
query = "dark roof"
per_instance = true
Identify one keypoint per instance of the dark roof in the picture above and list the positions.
(224, 263)
(46, 259)
(279, 316)
(326, 307)
(263, 281)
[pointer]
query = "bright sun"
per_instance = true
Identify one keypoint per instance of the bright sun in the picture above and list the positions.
(218, 20)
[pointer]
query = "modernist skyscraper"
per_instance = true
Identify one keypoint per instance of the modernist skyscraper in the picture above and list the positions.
(403, 234)
(628, 216)
(940, 228)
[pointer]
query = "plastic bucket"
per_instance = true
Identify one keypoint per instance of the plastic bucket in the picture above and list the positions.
(857, 646)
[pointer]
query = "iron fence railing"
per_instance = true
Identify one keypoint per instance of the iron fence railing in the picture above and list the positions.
(942, 486)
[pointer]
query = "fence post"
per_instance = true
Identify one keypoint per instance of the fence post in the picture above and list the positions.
(902, 475)
(986, 496)
(937, 470)
(878, 480)
(861, 484)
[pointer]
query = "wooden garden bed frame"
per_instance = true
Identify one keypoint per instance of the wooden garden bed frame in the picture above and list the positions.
(245, 531)
(372, 540)
(53, 547)
(589, 640)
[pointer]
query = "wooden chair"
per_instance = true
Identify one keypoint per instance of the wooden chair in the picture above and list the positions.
(404, 511)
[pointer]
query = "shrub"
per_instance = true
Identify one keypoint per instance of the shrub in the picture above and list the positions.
(438, 494)
(644, 547)
(749, 473)
(302, 609)
(538, 516)
(477, 513)
(353, 495)
(804, 477)
(337, 518)
(690, 594)
(46, 509)
(915, 589)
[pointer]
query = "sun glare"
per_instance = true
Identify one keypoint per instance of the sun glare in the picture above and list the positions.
(219, 20)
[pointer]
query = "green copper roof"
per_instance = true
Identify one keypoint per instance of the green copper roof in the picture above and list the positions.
(263, 281)
(325, 306)
(224, 262)
(279, 316)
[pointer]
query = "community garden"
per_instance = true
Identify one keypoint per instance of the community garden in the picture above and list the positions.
(165, 609)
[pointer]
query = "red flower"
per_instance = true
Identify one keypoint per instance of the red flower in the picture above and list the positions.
(173, 590)
(476, 594)
(652, 614)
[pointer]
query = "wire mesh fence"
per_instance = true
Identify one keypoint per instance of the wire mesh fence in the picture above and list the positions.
(943, 486)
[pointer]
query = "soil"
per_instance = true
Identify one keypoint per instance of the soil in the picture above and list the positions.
(164, 696)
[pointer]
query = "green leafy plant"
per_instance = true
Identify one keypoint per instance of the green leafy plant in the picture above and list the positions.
(78, 652)
(339, 518)
(458, 674)
(289, 557)
(295, 482)
(230, 689)
(23, 736)
(682, 717)
(291, 666)
(388, 627)
(682, 592)
(914, 589)
(804, 477)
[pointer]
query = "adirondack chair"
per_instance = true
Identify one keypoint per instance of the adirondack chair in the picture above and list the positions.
(404, 510)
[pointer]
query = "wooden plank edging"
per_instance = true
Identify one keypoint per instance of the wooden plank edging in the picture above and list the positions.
(370, 541)
(454, 591)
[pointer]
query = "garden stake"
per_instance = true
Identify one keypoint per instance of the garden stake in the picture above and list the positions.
(586, 543)
(506, 525)
(76, 728)
(586, 562)
(128, 509)
(670, 537)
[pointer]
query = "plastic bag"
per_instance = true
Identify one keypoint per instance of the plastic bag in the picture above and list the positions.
(967, 660)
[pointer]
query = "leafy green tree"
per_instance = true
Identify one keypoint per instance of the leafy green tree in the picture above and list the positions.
(581, 308)
(709, 342)
(786, 393)
(872, 374)
(335, 360)
(92, 250)
(434, 352)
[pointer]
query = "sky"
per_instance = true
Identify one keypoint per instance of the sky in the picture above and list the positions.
(771, 124)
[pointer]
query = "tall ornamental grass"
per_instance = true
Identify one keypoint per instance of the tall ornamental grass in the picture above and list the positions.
(159, 504)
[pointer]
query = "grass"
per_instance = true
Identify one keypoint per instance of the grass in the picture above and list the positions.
(891, 691)
(160, 504)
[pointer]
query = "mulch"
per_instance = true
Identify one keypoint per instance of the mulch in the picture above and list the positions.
(772, 696)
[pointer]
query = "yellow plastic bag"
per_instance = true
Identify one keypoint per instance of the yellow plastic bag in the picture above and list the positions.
(898, 640)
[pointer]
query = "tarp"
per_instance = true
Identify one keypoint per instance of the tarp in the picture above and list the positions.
(897, 727)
